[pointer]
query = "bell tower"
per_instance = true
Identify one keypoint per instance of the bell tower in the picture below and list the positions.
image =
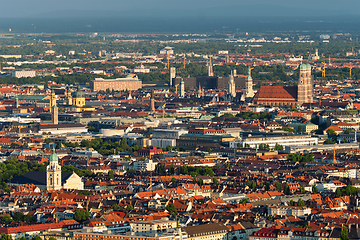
(53, 173)
(305, 87)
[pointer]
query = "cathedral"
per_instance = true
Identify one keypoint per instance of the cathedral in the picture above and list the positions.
(288, 96)
(52, 179)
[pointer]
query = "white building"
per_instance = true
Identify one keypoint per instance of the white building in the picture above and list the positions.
(154, 226)
(147, 165)
(289, 211)
(168, 133)
(159, 142)
(23, 73)
(292, 140)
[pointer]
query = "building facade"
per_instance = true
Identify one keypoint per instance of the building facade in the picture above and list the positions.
(118, 84)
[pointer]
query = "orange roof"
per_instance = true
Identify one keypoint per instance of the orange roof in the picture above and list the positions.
(270, 93)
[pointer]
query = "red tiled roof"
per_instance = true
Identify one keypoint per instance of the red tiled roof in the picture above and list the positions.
(271, 93)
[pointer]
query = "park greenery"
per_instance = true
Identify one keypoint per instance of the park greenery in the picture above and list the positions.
(297, 157)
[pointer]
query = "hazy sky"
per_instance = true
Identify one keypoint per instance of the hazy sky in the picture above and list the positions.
(38, 8)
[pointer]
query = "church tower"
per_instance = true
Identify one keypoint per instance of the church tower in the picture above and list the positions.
(52, 100)
(55, 115)
(53, 173)
(210, 69)
(249, 92)
(305, 87)
(79, 98)
(231, 85)
(69, 99)
(182, 88)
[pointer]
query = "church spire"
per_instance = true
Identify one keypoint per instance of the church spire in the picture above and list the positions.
(249, 92)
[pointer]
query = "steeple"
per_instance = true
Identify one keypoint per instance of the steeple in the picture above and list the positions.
(231, 85)
(249, 92)
(52, 99)
(16, 101)
(55, 115)
(182, 88)
(53, 172)
(210, 69)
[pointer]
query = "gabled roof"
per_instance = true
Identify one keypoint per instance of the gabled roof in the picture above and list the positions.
(271, 93)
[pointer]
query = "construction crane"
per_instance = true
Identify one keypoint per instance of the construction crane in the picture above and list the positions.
(151, 183)
(21, 127)
(350, 68)
(323, 70)
(163, 112)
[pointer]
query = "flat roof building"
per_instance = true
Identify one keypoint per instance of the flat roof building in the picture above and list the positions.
(118, 84)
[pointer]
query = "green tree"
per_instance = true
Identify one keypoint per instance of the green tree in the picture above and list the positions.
(278, 147)
(267, 186)
(29, 218)
(6, 219)
(239, 145)
(171, 169)
(171, 209)
(278, 186)
(287, 190)
(215, 182)
(115, 207)
(81, 215)
(18, 217)
(338, 193)
(84, 192)
(301, 203)
(291, 203)
(344, 234)
(315, 189)
(36, 238)
(347, 131)
(243, 201)
(300, 129)
(5, 236)
(331, 132)
(110, 175)
(129, 207)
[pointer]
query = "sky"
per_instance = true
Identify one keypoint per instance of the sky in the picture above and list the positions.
(178, 8)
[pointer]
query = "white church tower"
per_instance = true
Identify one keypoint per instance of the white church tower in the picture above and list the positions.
(53, 173)
(249, 92)
(231, 85)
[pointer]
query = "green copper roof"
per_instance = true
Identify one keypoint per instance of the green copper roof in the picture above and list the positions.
(305, 66)
(79, 93)
(54, 157)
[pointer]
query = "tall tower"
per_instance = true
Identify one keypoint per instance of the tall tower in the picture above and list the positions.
(231, 86)
(16, 101)
(305, 87)
(249, 92)
(172, 73)
(210, 69)
(68, 97)
(55, 115)
(52, 99)
(53, 173)
(182, 88)
(152, 101)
